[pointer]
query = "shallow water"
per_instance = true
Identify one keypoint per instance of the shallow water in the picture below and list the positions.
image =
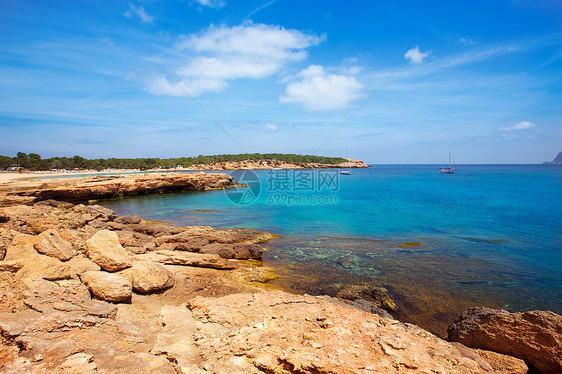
(487, 235)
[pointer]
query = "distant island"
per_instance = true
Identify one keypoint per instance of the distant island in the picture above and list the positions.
(33, 161)
(557, 160)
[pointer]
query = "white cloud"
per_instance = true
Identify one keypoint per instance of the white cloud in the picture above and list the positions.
(223, 53)
(271, 127)
(317, 90)
(139, 12)
(212, 3)
(415, 55)
(519, 126)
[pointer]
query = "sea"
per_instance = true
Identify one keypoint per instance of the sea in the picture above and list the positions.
(488, 235)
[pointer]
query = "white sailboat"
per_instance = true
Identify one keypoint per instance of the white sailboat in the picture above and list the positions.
(448, 170)
(346, 171)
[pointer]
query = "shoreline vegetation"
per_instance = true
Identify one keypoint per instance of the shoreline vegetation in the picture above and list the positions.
(34, 162)
(195, 299)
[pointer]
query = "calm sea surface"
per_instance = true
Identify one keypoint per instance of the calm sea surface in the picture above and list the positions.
(488, 235)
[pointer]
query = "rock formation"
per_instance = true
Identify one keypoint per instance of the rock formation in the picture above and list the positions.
(557, 160)
(535, 337)
(99, 187)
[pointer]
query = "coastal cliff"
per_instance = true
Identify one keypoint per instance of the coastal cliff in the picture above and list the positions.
(169, 299)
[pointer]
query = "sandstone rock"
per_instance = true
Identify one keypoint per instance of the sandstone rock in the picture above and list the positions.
(50, 243)
(81, 265)
(78, 363)
(91, 188)
(107, 286)
(106, 251)
(183, 241)
(535, 337)
(247, 251)
(370, 293)
(188, 259)
(129, 219)
(176, 339)
(44, 267)
(148, 276)
(94, 212)
(503, 363)
(12, 265)
(22, 247)
(136, 242)
(223, 250)
(275, 332)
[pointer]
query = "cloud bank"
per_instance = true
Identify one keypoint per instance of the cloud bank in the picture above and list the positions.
(222, 54)
(316, 89)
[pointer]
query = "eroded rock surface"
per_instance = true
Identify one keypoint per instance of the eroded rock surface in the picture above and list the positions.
(535, 337)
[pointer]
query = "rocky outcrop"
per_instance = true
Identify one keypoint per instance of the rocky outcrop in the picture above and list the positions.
(213, 261)
(107, 286)
(373, 294)
(276, 332)
(557, 160)
(535, 337)
(100, 187)
(105, 250)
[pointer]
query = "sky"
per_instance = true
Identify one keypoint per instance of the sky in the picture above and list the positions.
(390, 81)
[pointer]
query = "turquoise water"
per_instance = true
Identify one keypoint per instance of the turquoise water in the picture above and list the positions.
(489, 234)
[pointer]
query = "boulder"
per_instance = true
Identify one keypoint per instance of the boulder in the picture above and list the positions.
(50, 243)
(44, 267)
(246, 251)
(373, 294)
(81, 265)
(106, 251)
(223, 250)
(22, 247)
(108, 286)
(148, 276)
(503, 363)
(535, 337)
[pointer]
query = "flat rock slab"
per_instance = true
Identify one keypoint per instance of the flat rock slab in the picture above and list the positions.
(108, 286)
(213, 261)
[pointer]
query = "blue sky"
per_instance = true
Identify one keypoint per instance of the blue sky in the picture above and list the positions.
(481, 78)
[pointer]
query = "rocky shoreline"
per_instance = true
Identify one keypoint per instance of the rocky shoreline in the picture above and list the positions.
(83, 290)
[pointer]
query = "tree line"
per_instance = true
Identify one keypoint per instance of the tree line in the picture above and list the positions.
(33, 161)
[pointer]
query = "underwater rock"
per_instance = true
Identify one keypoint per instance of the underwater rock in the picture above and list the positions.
(370, 293)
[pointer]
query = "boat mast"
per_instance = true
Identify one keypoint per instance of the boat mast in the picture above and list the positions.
(449, 159)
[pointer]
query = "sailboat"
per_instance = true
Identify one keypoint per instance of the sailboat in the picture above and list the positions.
(346, 171)
(448, 170)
